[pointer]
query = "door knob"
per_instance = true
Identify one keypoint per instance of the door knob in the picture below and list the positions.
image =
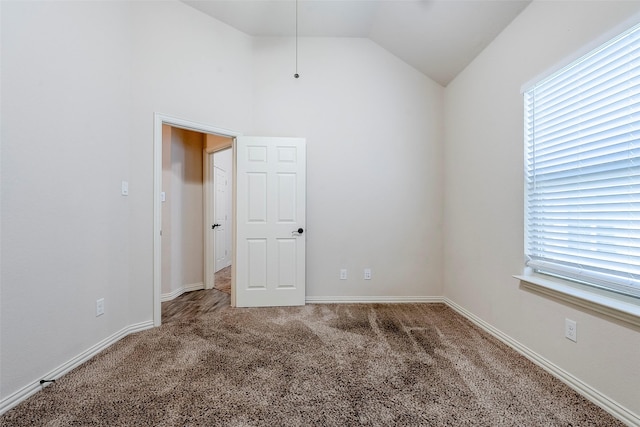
(214, 226)
(300, 230)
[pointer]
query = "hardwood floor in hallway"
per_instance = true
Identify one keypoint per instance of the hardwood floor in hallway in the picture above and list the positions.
(189, 305)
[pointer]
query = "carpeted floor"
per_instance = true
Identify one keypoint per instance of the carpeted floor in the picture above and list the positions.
(318, 365)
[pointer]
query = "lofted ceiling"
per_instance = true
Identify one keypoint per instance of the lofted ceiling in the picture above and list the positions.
(437, 37)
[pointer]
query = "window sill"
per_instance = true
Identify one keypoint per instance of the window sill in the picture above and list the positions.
(616, 306)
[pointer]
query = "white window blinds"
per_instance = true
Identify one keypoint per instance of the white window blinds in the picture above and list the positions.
(582, 132)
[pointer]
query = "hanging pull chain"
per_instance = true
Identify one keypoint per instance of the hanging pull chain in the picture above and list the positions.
(296, 75)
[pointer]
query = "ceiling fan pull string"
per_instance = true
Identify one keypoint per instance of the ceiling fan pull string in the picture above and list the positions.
(296, 75)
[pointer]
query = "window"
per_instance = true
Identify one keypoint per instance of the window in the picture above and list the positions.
(582, 134)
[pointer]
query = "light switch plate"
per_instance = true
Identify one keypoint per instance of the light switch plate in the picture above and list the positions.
(571, 330)
(99, 307)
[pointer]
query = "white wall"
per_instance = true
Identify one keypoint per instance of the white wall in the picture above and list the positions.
(65, 143)
(80, 84)
(374, 188)
(483, 209)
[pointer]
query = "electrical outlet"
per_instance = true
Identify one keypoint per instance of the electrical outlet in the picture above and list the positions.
(124, 188)
(367, 274)
(571, 330)
(343, 274)
(99, 307)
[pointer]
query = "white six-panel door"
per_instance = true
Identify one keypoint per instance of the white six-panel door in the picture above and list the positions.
(270, 234)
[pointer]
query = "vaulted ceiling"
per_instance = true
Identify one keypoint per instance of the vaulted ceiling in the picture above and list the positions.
(438, 37)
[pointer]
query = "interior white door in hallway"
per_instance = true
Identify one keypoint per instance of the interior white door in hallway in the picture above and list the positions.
(222, 251)
(270, 221)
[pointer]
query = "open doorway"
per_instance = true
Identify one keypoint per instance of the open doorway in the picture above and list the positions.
(197, 176)
(184, 254)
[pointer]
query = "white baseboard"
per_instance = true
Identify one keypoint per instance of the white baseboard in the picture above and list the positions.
(181, 290)
(606, 403)
(372, 300)
(30, 389)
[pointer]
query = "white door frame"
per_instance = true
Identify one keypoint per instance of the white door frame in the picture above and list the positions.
(159, 120)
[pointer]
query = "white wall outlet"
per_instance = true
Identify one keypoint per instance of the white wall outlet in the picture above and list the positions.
(343, 274)
(367, 274)
(99, 307)
(163, 197)
(571, 330)
(124, 189)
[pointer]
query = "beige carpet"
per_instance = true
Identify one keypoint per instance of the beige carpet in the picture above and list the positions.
(223, 280)
(319, 365)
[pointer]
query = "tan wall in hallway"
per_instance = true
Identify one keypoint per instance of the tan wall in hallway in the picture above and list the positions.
(182, 220)
(166, 209)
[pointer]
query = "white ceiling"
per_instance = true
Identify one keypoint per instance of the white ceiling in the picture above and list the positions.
(438, 37)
